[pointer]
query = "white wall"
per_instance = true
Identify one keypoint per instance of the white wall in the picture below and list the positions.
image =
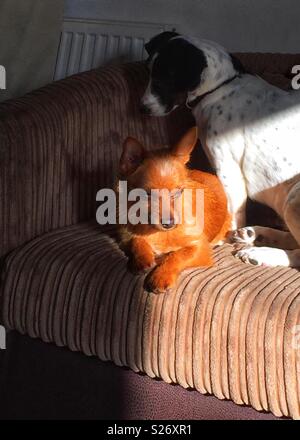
(30, 32)
(240, 25)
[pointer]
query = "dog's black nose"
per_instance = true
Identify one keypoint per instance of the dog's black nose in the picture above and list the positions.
(144, 109)
(168, 224)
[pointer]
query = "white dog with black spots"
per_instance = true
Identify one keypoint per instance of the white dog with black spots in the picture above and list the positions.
(250, 131)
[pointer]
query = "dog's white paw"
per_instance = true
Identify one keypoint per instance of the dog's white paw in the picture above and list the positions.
(264, 256)
(243, 236)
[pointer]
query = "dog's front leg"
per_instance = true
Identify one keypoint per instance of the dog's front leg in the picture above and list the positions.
(141, 255)
(233, 181)
(165, 275)
(225, 154)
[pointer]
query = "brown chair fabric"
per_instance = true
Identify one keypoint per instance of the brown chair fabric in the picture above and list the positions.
(61, 144)
(269, 63)
(226, 330)
(274, 68)
(39, 381)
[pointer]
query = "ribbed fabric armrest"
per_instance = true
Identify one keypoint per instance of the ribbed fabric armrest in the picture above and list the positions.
(61, 144)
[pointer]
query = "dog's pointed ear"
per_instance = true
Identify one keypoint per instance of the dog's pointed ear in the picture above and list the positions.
(186, 144)
(157, 42)
(132, 156)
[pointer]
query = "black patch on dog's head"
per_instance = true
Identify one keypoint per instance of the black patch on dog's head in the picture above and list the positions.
(157, 42)
(176, 70)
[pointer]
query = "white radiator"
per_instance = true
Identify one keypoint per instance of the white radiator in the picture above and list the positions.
(87, 44)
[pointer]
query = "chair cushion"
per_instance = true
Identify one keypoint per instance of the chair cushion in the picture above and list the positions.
(39, 381)
(227, 330)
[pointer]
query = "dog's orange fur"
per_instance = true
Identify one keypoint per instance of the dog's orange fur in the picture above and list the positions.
(168, 252)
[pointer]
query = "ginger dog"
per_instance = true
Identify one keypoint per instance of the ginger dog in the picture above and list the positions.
(168, 247)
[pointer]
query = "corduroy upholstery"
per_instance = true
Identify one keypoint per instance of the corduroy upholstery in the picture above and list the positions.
(227, 330)
(61, 144)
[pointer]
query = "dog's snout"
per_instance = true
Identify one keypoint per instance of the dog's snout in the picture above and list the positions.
(168, 224)
(144, 109)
